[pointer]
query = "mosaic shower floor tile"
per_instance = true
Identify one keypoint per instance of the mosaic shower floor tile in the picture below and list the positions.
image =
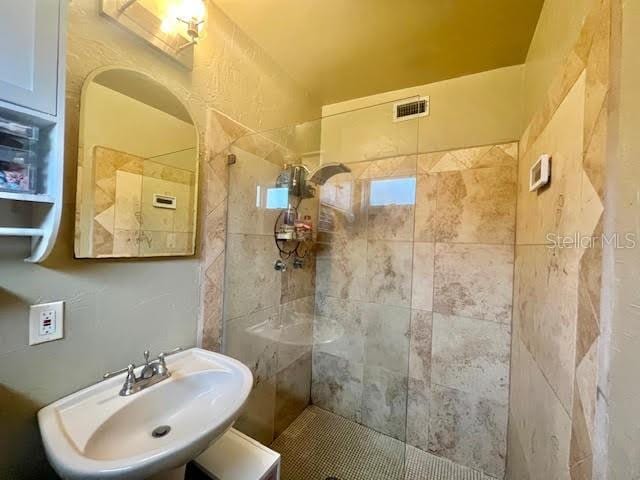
(320, 445)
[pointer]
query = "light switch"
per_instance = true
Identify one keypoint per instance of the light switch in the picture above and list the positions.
(46, 322)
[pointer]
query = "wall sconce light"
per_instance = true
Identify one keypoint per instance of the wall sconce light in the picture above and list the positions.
(192, 14)
(169, 25)
(189, 12)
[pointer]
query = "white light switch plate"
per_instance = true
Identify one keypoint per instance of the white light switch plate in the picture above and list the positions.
(46, 322)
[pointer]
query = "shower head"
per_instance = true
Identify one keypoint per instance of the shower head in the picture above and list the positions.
(323, 173)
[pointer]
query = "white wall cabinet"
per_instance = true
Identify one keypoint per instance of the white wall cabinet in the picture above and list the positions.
(29, 53)
(32, 86)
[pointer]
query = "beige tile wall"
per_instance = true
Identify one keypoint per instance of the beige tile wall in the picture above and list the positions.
(266, 321)
(413, 302)
(125, 222)
(557, 290)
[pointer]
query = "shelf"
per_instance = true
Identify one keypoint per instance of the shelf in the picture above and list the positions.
(27, 197)
(36, 217)
(21, 232)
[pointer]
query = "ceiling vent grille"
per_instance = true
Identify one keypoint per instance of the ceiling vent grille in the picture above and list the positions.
(407, 110)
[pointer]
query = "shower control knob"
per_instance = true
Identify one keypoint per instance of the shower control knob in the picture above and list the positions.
(280, 266)
(298, 262)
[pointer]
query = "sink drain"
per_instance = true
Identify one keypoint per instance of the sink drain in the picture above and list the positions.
(160, 431)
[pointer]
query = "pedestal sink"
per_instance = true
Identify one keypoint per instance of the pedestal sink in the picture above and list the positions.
(97, 434)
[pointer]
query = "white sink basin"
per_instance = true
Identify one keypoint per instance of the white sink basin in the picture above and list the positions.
(97, 434)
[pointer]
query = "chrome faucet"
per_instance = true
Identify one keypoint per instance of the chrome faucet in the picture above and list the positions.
(153, 372)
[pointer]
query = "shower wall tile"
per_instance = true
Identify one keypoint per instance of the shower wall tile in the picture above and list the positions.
(545, 312)
(342, 269)
(371, 331)
(337, 385)
(253, 340)
(468, 429)
(474, 281)
(583, 414)
(516, 459)
(557, 210)
(293, 392)
(503, 155)
(541, 425)
(420, 346)
(299, 282)
(126, 243)
(343, 209)
(216, 182)
(392, 167)
(212, 294)
(418, 413)
(128, 200)
(557, 290)
(389, 267)
(419, 386)
(471, 356)
(390, 222)
(259, 413)
(250, 177)
(422, 281)
(158, 170)
(261, 146)
(387, 337)
(214, 234)
(268, 316)
(384, 401)
(221, 132)
(435, 162)
(477, 206)
(426, 189)
(252, 283)
(339, 328)
(295, 334)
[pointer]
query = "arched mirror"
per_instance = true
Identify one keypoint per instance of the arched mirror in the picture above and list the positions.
(137, 169)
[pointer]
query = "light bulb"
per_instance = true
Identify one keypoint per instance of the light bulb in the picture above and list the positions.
(191, 10)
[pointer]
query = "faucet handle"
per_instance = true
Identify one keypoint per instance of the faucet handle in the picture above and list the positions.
(163, 370)
(129, 383)
(117, 372)
(146, 356)
(170, 352)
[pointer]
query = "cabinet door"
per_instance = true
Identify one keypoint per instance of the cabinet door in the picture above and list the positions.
(29, 53)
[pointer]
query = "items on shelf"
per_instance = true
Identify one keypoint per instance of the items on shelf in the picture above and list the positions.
(17, 157)
(293, 228)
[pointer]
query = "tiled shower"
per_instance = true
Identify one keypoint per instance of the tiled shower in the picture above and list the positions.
(402, 308)
(422, 311)
(432, 311)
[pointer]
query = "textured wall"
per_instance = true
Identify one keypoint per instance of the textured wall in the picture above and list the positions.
(426, 285)
(620, 400)
(116, 309)
(556, 327)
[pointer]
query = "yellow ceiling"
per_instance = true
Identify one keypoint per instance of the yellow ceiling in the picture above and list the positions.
(342, 49)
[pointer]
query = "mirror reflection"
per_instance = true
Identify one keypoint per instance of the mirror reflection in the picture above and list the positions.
(137, 169)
